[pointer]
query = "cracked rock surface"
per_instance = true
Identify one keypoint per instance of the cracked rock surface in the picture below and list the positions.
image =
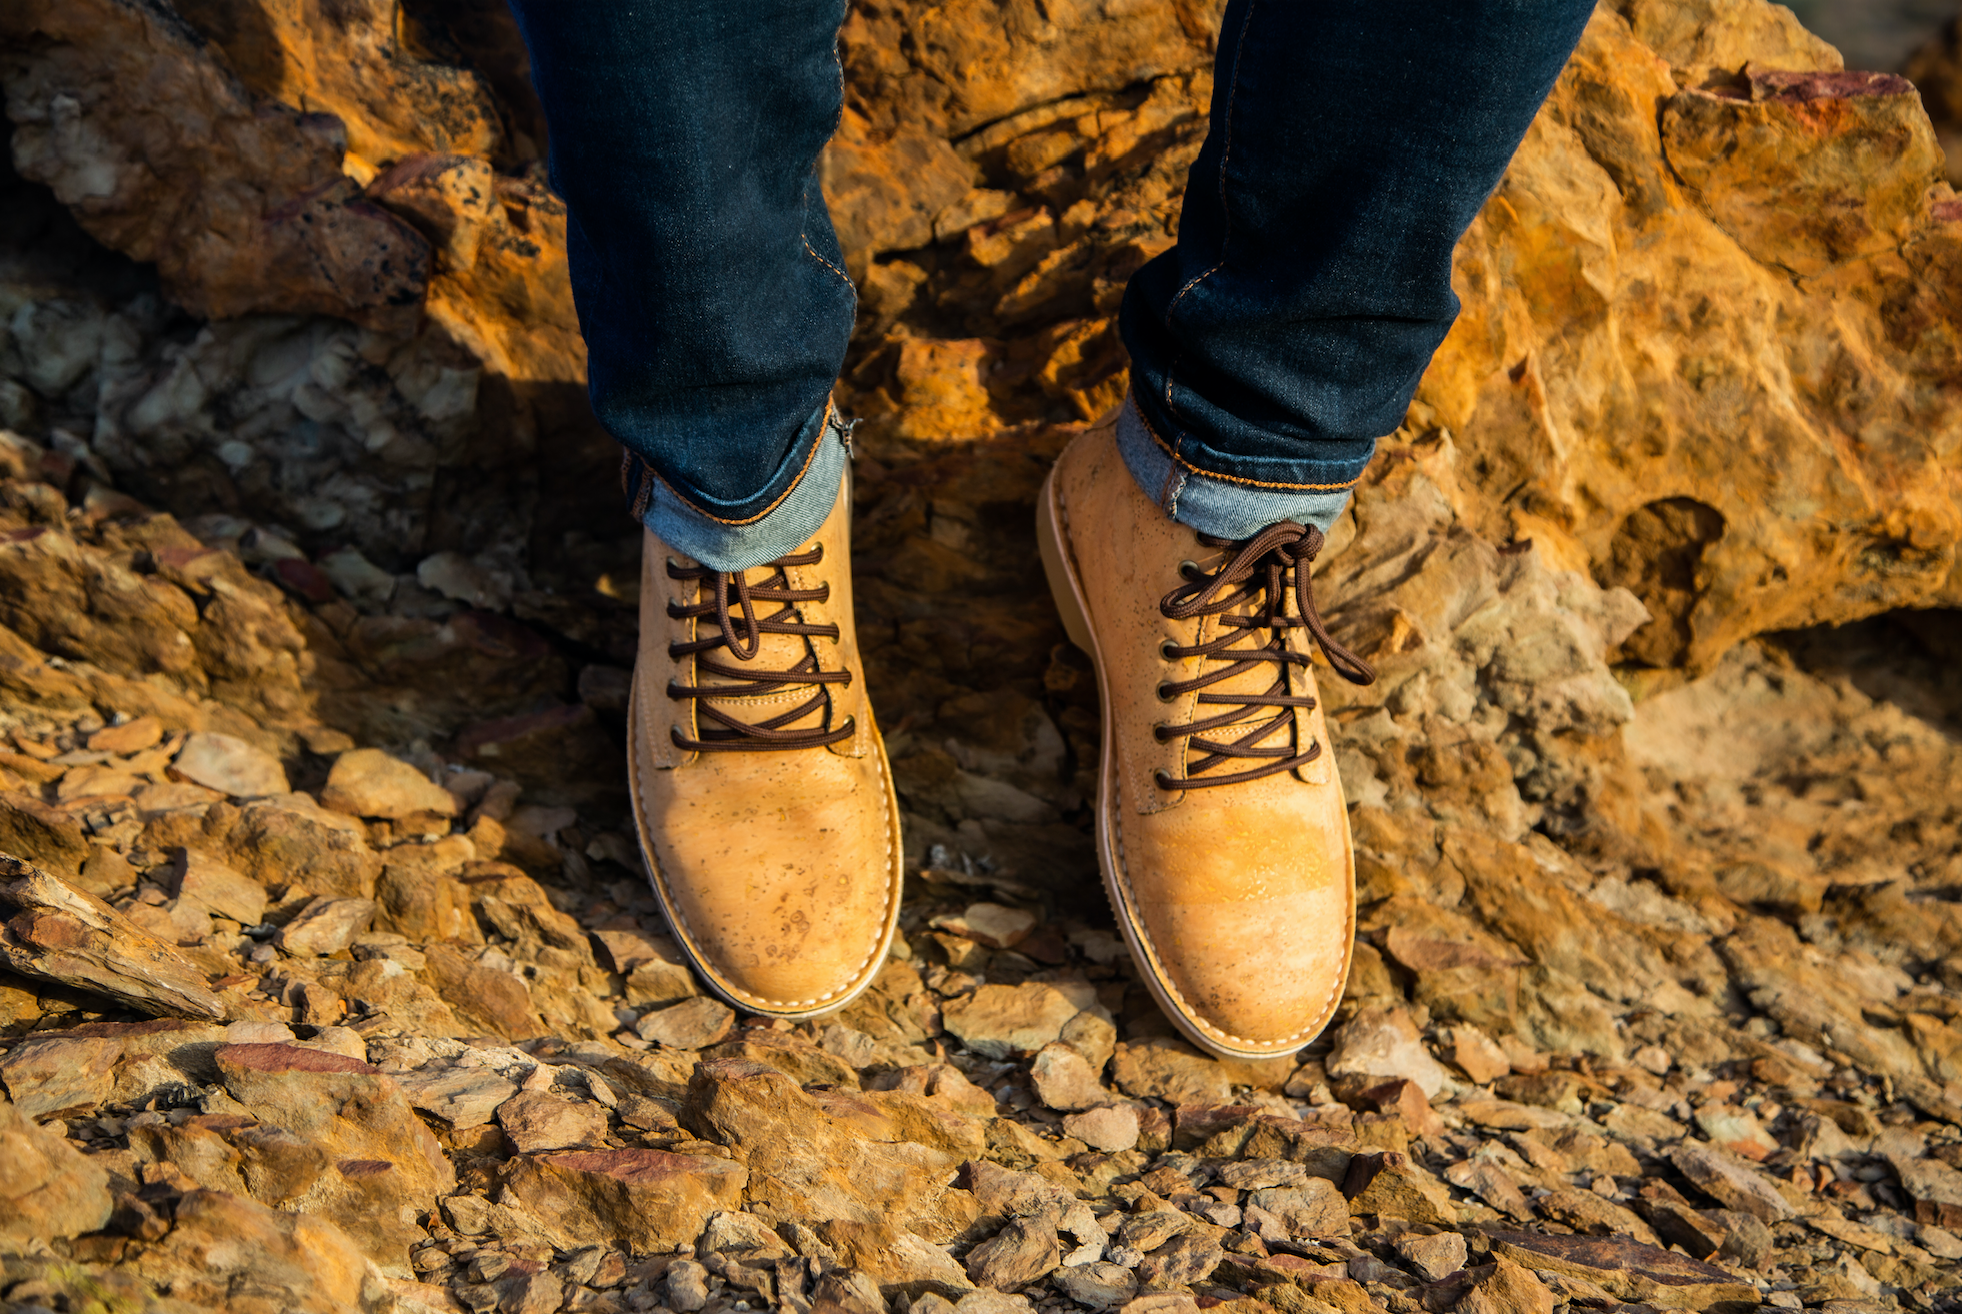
(329, 978)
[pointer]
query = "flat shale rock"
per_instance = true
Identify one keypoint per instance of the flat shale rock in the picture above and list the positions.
(804, 1164)
(898, 1260)
(645, 1200)
(692, 1024)
(326, 926)
(1000, 1020)
(1064, 1080)
(1936, 1189)
(40, 833)
(536, 1120)
(1627, 1268)
(206, 883)
(58, 933)
(230, 766)
(48, 1076)
(387, 1166)
(48, 1189)
(220, 1245)
(1731, 1181)
(463, 1097)
(1170, 1070)
(1383, 1042)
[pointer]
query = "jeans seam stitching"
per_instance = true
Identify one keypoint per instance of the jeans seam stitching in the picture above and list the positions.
(805, 469)
(827, 264)
(1171, 454)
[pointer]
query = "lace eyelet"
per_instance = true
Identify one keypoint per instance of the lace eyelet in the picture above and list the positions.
(1165, 782)
(1188, 569)
(1161, 732)
(1164, 650)
(1164, 697)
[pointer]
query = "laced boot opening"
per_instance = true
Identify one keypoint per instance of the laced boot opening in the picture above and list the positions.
(1256, 572)
(736, 639)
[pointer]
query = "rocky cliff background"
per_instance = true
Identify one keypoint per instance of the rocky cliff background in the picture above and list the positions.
(328, 977)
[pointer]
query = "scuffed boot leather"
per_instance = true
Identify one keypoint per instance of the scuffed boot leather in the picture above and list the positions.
(1222, 831)
(761, 788)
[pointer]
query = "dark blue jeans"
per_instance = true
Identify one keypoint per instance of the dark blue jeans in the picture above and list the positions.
(1351, 144)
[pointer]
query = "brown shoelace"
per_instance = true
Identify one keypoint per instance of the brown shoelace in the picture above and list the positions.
(740, 632)
(1258, 566)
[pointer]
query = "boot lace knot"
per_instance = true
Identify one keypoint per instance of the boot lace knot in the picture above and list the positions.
(737, 637)
(1256, 571)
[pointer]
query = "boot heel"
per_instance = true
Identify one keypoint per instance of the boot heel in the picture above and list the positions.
(1056, 568)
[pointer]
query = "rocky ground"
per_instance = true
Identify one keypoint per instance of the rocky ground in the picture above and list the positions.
(328, 975)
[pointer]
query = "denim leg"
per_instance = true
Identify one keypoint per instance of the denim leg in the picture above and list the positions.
(1352, 143)
(710, 286)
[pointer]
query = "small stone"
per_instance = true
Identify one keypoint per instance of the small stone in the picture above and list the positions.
(367, 782)
(1507, 1288)
(1477, 1055)
(1655, 1059)
(1099, 1285)
(999, 1021)
(1309, 1211)
(130, 737)
(538, 1120)
(687, 1286)
(1187, 1258)
(326, 926)
(1064, 1080)
(1432, 1257)
(1112, 1129)
(1023, 1252)
(692, 1024)
(1391, 1185)
(1151, 1229)
(230, 766)
(1382, 1041)
(1736, 1130)
(643, 1199)
(989, 924)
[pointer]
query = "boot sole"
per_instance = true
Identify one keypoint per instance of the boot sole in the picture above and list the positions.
(1058, 566)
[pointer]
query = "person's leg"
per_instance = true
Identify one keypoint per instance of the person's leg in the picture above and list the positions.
(716, 312)
(1352, 143)
(710, 286)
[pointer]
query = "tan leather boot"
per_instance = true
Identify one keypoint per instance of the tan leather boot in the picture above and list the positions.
(760, 785)
(1221, 826)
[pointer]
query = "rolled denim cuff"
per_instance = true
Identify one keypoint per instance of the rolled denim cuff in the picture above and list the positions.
(710, 531)
(1228, 508)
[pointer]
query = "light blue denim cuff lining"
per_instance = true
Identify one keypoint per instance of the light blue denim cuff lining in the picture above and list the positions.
(779, 531)
(1215, 506)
